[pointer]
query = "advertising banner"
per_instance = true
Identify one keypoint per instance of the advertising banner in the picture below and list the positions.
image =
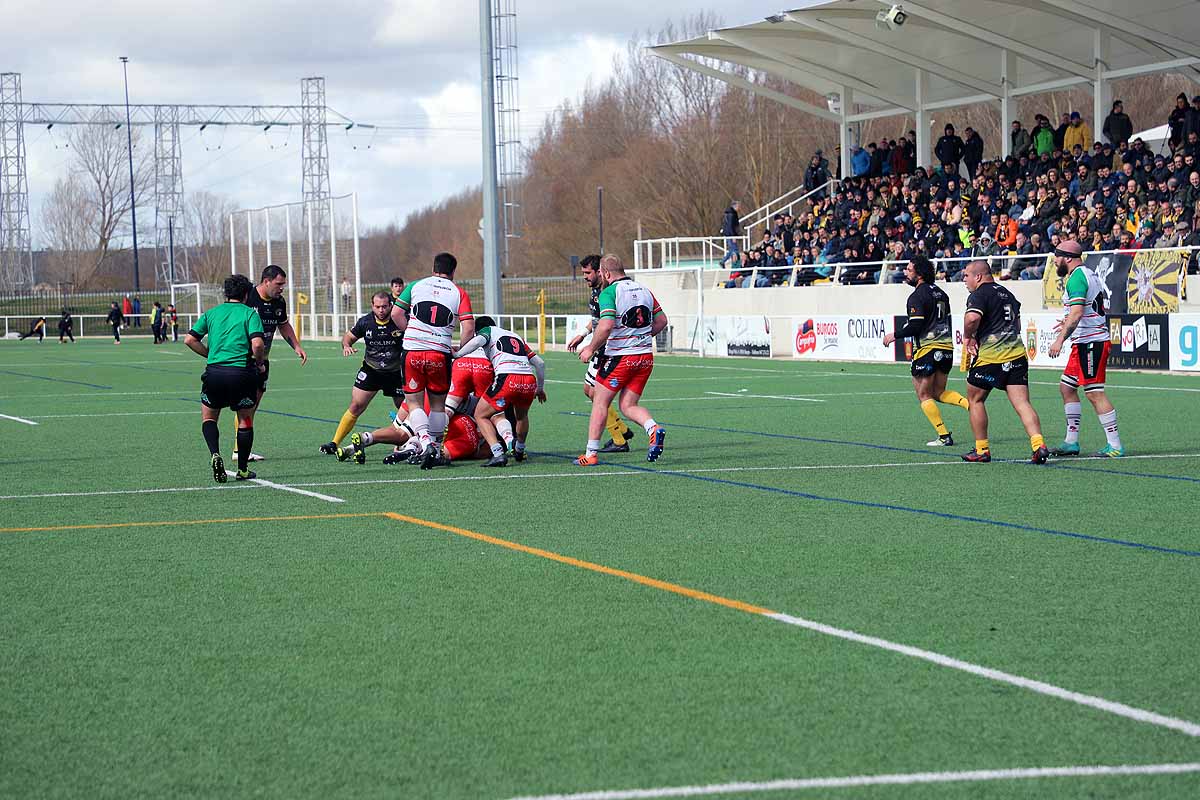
(1040, 332)
(1139, 342)
(576, 323)
(850, 338)
(737, 335)
(1135, 282)
(1185, 342)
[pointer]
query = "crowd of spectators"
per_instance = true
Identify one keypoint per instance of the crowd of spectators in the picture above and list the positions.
(1058, 184)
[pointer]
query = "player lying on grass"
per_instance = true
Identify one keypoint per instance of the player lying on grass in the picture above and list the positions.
(461, 441)
(382, 367)
(520, 376)
(630, 318)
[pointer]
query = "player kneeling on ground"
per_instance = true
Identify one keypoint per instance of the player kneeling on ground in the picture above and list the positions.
(235, 354)
(462, 441)
(520, 377)
(382, 367)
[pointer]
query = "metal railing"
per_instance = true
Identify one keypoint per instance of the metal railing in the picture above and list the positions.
(764, 213)
(91, 325)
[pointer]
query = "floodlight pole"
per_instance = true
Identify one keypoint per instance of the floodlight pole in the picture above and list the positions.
(492, 300)
(137, 284)
(171, 246)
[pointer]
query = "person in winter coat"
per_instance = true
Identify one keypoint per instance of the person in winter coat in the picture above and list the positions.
(731, 228)
(1019, 137)
(949, 150)
(1117, 125)
(1077, 133)
(1176, 121)
(972, 151)
(1043, 137)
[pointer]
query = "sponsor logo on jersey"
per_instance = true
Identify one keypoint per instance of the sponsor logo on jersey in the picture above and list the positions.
(614, 383)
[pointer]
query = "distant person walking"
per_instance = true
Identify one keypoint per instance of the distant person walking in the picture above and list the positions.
(137, 310)
(66, 327)
(116, 318)
(731, 229)
(156, 322)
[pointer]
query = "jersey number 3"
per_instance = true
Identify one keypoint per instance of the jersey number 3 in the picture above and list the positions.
(636, 317)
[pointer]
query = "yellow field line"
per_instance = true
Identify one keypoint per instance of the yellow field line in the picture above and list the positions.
(187, 522)
(575, 562)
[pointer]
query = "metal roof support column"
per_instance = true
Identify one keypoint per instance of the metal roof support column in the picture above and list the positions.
(924, 150)
(844, 130)
(1008, 76)
(1101, 89)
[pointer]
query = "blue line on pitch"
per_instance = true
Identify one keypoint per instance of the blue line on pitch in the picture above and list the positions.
(56, 380)
(781, 436)
(128, 366)
(908, 509)
(1186, 478)
(293, 416)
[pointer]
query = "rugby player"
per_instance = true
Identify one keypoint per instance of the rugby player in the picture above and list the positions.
(267, 300)
(382, 368)
(630, 318)
(995, 357)
(933, 355)
(462, 441)
(520, 376)
(66, 327)
(618, 430)
(37, 328)
(427, 312)
(1085, 325)
(235, 354)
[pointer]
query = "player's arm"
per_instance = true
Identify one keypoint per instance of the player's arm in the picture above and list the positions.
(348, 340)
(971, 322)
(539, 371)
(289, 335)
(1074, 316)
(916, 318)
(194, 337)
(603, 328)
(401, 307)
(660, 319)
(573, 345)
(474, 343)
(466, 318)
(258, 346)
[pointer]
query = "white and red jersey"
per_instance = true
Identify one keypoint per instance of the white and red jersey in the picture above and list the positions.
(632, 308)
(434, 305)
(509, 353)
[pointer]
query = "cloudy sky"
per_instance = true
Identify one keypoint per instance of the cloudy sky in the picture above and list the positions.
(410, 66)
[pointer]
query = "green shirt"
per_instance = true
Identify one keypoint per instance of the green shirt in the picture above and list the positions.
(229, 327)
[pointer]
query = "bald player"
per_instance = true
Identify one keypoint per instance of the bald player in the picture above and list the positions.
(1087, 328)
(995, 358)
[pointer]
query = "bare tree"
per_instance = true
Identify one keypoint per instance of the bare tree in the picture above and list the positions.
(100, 163)
(206, 234)
(68, 227)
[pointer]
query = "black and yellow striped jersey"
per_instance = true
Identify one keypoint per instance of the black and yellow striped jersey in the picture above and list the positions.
(999, 333)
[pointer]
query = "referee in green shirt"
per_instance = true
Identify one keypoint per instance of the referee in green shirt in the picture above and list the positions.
(235, 353)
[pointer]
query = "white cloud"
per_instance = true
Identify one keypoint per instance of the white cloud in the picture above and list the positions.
(403, 63)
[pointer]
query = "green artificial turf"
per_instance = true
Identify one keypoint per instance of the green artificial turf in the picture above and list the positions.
(371, 657)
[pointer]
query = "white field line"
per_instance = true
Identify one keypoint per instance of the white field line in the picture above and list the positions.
(767, 397)
(1040, 687)
(895, 779)
(113, 414)
(1032, 383)
(270, 485)
(176, 392)
(18, 419)
(510, 476)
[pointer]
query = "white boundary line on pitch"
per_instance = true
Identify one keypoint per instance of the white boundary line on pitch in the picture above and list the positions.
(767, 397)
(113, 414)
(18, 419)
(271, 485)
(1032, 383)
(580, 474)
(177, 392)
(894, 779)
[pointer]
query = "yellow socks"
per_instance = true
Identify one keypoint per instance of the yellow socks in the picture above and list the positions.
(616, 428)
(982, 446)
(1037, 442)
(951, 398)
(344, 427)
(935, 417)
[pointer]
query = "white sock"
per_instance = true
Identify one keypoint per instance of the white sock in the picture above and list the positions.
(437, 424)
(1109, 421)
(504, 428)
(519, 446)
(593, 447)
(1074, 413)
(650, 426)
(497, 449)
(367, 439)
(418, 420)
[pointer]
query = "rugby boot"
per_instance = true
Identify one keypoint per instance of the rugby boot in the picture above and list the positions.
(975, 457)
(942, 441)
(360, 452)
(611, 447)
(1065, 449)
(218, 468)
(1108, 451)
(497, 461)
(329, 448)
(1040, 456)
(658, 438)
(245, 475)
(586, 460)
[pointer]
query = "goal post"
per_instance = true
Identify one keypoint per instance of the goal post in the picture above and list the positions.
(189, 293)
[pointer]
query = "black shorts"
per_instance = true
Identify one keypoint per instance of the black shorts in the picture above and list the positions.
(262, 376)
(1000, 376)
(933, 361)
(370, 379)
(229, 387)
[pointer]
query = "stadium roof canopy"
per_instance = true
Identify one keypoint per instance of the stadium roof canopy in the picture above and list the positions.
(949, 53)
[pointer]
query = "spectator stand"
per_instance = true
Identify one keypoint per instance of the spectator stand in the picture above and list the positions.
(946, 55)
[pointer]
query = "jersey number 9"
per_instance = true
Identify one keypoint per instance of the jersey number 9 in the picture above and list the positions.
(637, 317)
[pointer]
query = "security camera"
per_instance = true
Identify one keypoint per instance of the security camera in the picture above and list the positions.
(891, 19)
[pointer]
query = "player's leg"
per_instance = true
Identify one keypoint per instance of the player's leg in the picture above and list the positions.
(925, 385)
(940, 392)
(436, 388)
(245, 441)
(484, 412)
(1094, 371)
(521, 429)
(1018, 395)
(359, 400)
(634, 372)
(1068, 387)
(602, 398)
(212, 437)
(504, 426)
(261, 389)
(979, 424)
